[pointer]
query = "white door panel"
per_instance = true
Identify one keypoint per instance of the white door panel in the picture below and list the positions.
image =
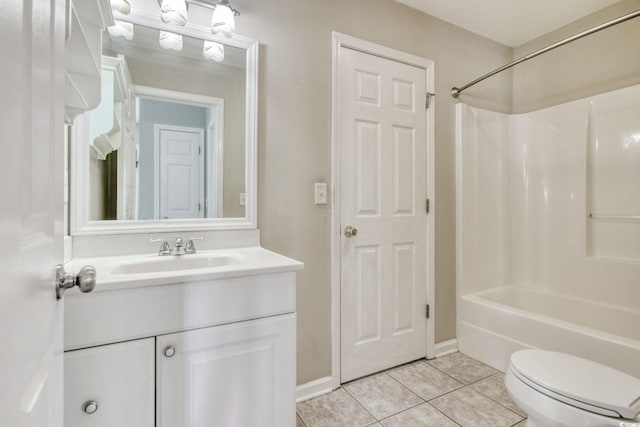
(383, 191)
(181, 172)
(31, 212)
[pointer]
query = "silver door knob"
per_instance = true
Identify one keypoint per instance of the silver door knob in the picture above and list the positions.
(350, 231)
(90, 407)
(170, 351)
(85, 280)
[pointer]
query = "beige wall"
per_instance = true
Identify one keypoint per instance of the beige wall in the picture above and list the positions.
(607, 60)
(294, 139)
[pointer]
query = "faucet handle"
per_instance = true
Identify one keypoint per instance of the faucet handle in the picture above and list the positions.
(191, 248)
(165, 249)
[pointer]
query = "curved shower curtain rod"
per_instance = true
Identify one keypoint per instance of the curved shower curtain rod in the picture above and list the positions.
(455, 92)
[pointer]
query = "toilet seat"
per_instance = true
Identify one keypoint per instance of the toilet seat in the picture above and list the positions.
(579, 382)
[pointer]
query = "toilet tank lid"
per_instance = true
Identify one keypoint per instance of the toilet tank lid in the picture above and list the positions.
(580, 379)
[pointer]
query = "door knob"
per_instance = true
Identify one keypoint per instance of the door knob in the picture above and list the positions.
(350, 231)
(85, 280)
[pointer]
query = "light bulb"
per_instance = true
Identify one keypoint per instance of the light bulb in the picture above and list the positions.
(174, 12)
(170, 41)
(121, 29)
(122, 6)
(213, 50)
(223, 21)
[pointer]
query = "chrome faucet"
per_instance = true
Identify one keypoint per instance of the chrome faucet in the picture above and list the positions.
(191, 248)
(165, 249)
(178, 249)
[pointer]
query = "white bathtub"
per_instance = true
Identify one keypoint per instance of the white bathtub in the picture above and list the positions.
(494, 323)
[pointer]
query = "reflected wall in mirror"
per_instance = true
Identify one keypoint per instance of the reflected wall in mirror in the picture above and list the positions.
(173, 136)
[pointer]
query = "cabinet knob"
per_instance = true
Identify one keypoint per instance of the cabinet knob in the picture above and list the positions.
(169, 351)
(90, 407)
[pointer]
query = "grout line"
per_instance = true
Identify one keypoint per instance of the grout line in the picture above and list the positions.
(400, 411)
(362, 405)
(301, 420)
(494, 400)
(452, 420)
(473, 382)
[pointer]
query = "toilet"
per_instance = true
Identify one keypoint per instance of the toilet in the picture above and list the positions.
(560, 390)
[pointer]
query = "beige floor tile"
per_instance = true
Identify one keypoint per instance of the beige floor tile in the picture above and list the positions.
(423, 415)
(469, 408)
(521, 423)
(382, 395)
(424, 380)
(462, 367)
(336, 409)
(299, 422)
(493, 387)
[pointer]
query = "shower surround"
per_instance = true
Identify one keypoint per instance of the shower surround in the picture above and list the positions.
(548, 230)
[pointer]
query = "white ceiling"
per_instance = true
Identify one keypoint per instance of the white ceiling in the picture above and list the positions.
(510, 22)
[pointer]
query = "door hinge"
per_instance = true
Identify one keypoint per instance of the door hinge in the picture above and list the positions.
(199, 207)
(428, 101)
(427, 311)
(427, 206)
(199, 150)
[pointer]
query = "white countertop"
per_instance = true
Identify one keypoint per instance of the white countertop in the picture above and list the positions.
(247, 261)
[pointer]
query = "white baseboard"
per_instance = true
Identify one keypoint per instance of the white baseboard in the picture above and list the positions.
(446, 347)
(314, 388)
(326, 385)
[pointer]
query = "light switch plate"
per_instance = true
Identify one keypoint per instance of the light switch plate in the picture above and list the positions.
(243, 199)
(321, 193)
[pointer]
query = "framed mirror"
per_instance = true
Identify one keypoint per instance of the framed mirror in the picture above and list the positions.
(172, 145)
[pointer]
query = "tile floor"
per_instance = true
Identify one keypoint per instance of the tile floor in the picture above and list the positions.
(450, 391)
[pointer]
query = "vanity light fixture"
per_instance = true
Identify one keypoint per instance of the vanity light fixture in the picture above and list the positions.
(175, 12)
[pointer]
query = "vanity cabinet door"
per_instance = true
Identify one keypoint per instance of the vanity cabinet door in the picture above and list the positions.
(236, 375)
(110, 385)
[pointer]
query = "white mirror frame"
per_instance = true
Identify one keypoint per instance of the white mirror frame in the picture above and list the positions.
(79, 206)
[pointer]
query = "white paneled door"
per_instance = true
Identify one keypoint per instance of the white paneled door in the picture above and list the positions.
(31, 211)
(382, 197)
(181, 172)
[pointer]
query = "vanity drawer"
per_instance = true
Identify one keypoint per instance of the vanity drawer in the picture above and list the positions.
(119, 315)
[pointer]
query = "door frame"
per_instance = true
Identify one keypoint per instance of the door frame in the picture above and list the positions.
(214, 140)
(157, 128)
(339, 41)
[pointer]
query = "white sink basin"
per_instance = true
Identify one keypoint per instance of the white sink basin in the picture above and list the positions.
(173, 263)
(142, 270)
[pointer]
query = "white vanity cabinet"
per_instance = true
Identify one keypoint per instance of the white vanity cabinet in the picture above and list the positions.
(201, 351)
(233, 375)
(110, 385)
